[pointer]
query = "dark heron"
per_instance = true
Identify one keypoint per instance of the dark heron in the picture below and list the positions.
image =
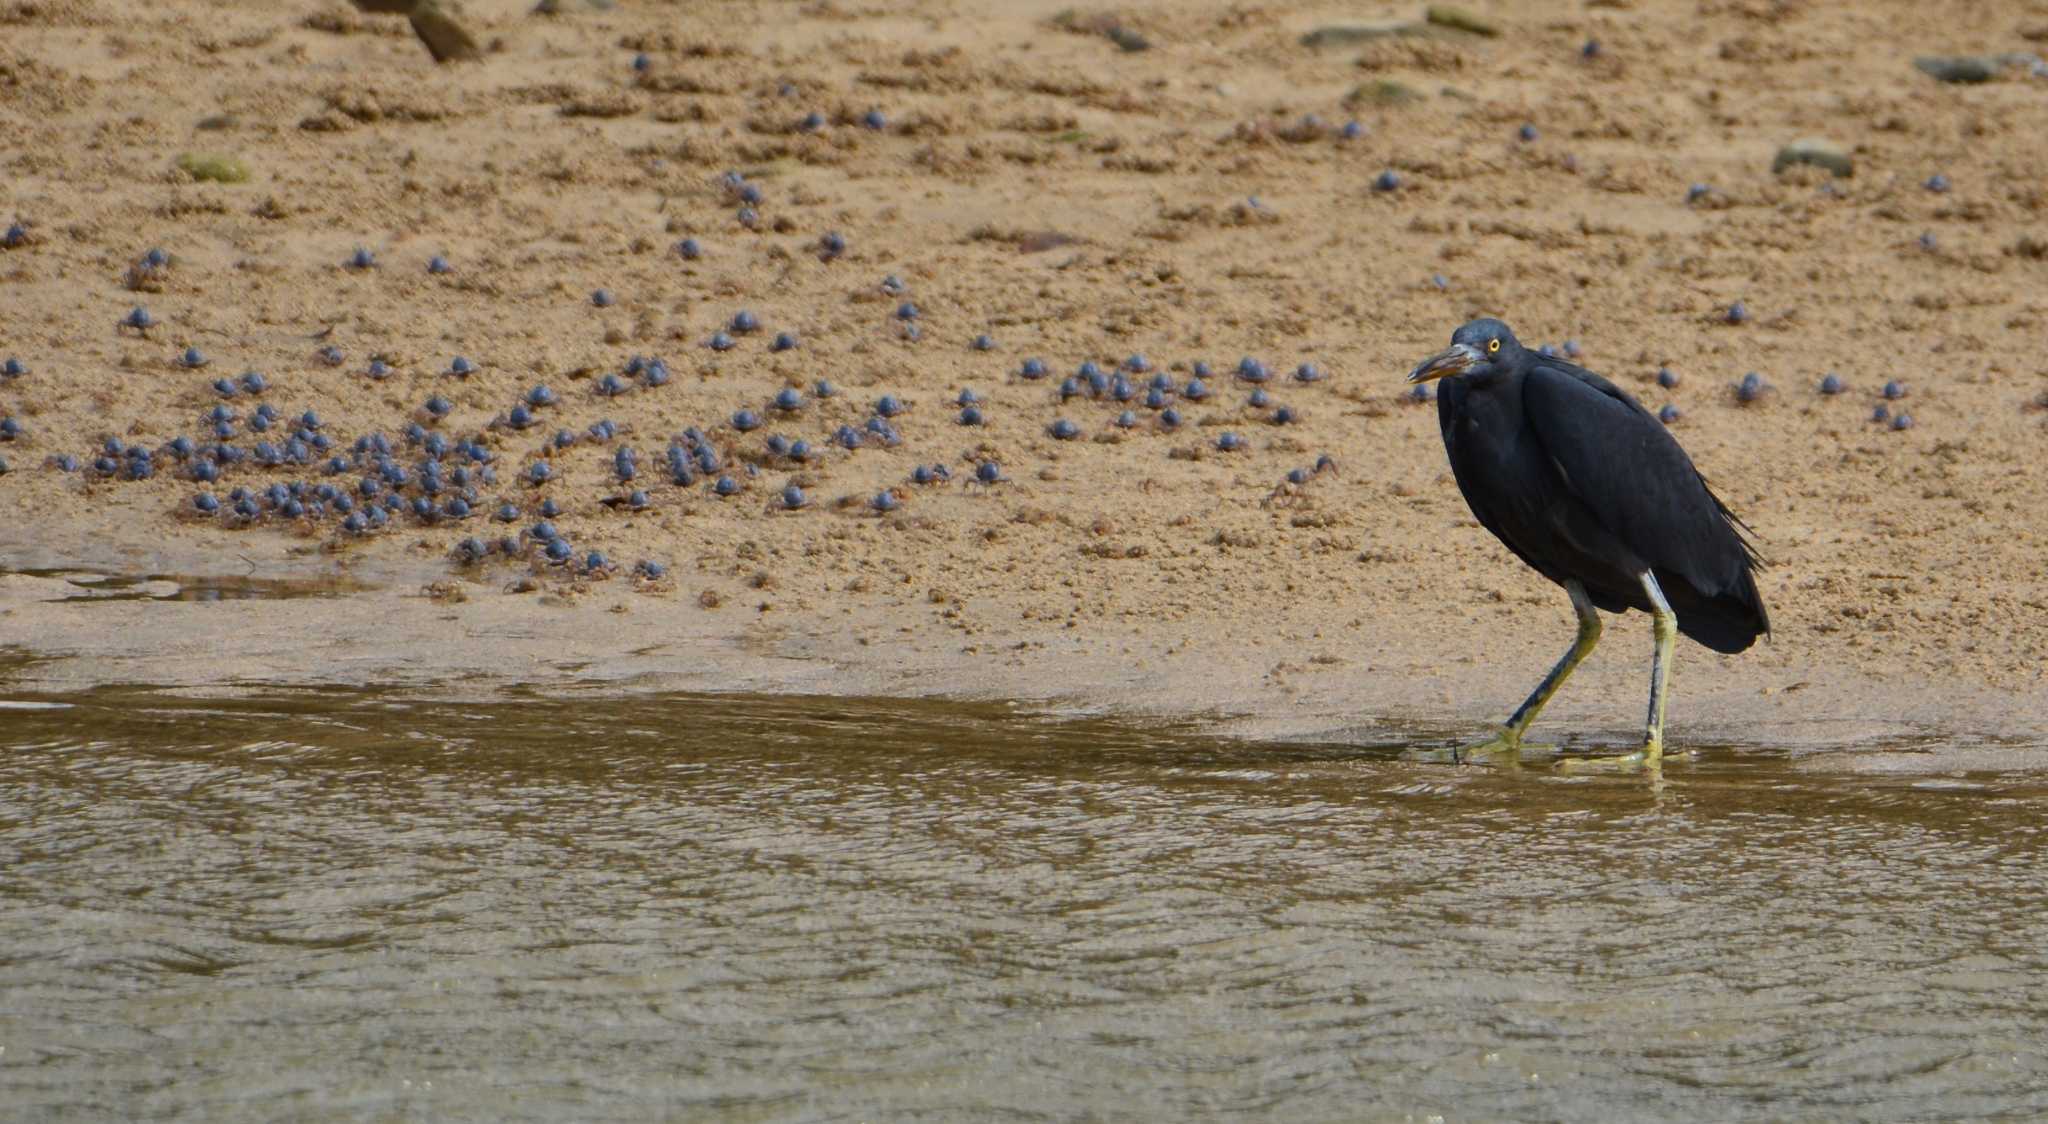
(1593, 492)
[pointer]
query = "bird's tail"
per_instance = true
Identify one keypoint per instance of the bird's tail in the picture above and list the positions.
(1729, 621)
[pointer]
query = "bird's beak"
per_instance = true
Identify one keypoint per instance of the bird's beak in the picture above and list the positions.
(1450, 361)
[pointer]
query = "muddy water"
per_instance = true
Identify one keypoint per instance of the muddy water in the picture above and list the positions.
(340, 905)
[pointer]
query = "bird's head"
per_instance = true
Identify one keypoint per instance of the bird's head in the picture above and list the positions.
(1475, 349)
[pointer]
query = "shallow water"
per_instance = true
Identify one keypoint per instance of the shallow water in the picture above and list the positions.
(341, 905)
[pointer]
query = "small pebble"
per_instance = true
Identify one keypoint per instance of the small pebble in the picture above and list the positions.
(1737, 313)
(1937, 183)
(1230, 442)
(1064, 430)
(1527, 133)
(988, 472)
(1894, 389)
(1387, 181)
(689, 249)
(438, 264)
(1667, 378)
(719, 341)
(745, 322)
(602, 298)
(1751, 388)
(1831, 384)
(1668, 414)
(461, 367)
(984, 343)
(792, 498)
(362, 259)
(784, 341)
(971, 416)
(1903, 421)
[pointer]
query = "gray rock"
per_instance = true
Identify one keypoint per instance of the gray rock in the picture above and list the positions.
(1352, 34)
(1458, 19)
(1819, 153)
(1961, 68)
(1127, 39)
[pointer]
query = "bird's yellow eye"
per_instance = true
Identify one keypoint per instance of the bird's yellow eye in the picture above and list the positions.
(1492, 346)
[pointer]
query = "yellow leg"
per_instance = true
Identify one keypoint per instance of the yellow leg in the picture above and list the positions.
(1509, 740)
(1664, 627)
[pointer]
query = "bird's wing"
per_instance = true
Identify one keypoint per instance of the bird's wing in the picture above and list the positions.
(1630, 473)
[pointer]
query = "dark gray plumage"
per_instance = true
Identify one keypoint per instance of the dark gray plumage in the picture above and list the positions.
(1591, 490)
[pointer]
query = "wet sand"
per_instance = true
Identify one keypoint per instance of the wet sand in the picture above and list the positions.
(1141, 571)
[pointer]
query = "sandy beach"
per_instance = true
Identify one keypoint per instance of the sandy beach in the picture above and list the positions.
(1019, 172)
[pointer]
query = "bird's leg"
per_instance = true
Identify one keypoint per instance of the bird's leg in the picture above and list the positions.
(1509, 740)
(1663, 626)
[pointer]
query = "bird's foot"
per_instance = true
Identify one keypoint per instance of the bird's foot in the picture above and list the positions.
(1648, 756)
(1503, 748)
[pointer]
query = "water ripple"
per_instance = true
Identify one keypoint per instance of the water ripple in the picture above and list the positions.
(820, 909)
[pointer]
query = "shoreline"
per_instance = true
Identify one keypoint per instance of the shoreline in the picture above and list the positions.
(376, 625)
